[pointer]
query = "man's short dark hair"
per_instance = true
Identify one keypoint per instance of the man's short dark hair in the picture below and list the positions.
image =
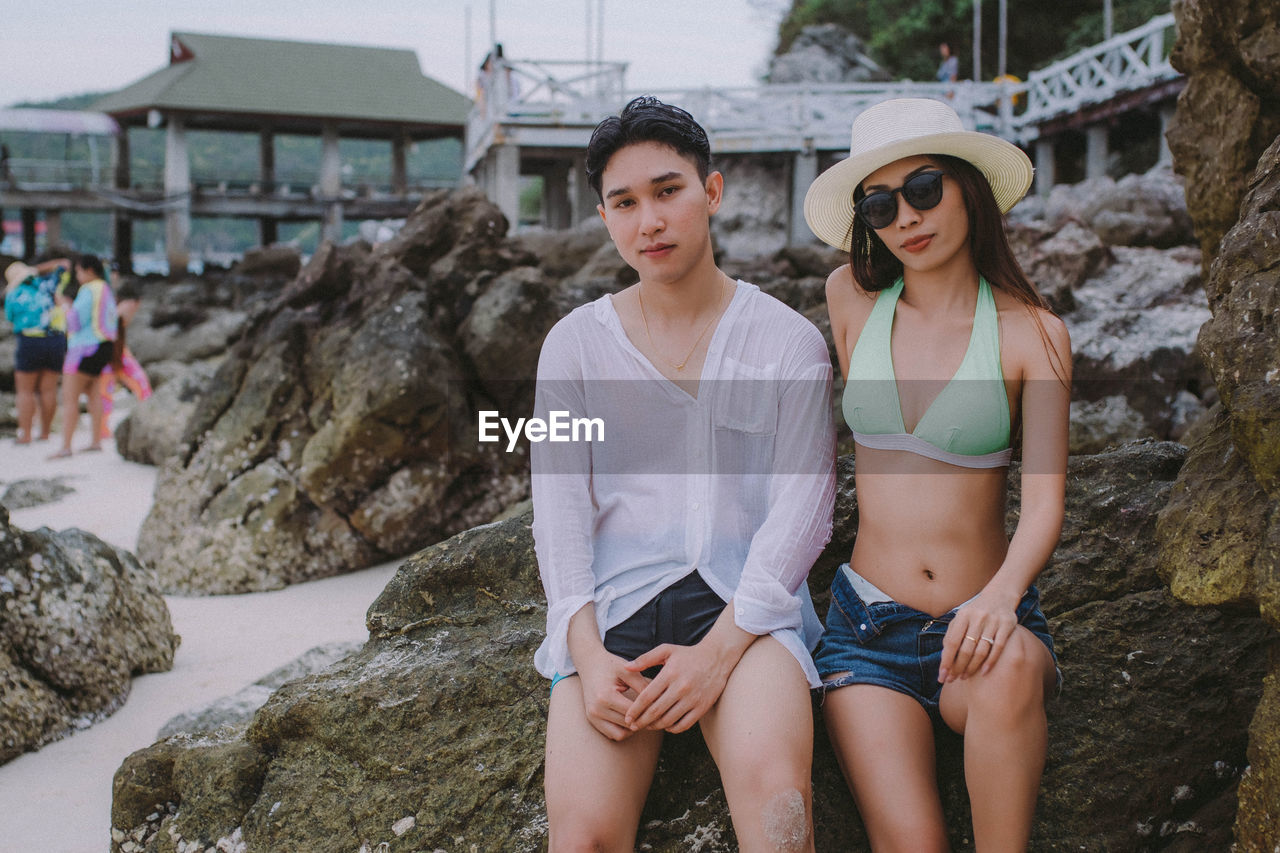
(646, 119)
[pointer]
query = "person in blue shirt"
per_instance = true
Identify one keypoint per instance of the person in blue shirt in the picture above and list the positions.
(30, 305)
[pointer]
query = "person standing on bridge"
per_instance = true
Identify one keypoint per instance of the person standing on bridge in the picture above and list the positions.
(949, 68)
(951, 357)
(674, 551)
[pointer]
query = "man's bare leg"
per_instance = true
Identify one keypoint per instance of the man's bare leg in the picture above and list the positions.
(760, 734)
(595, 787)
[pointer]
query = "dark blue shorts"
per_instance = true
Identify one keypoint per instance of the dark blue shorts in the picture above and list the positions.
(40, 353)
(895, 646)
(681, 614)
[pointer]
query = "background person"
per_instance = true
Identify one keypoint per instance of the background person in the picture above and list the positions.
(30, 304)
(124, 366)
(91, 333)
(950, 356)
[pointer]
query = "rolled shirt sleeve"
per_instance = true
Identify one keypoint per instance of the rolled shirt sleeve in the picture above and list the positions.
(801, 497)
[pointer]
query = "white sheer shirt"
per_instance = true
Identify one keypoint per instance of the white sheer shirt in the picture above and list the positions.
(737, 484)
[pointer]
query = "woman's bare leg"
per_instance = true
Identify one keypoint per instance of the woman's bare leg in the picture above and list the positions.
(884, 742)
(47, 391)
(1002, 718)
(25, 384)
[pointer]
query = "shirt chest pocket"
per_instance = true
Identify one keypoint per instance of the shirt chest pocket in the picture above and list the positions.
(746, 399)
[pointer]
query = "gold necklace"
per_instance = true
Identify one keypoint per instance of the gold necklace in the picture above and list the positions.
(677, 367)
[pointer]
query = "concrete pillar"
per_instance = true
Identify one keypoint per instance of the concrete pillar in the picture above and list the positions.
(121, 223)
(582, 198)
(1095, 151)
(399, 164)
(1045, 166)
(122, 241)
(28, 232)
(52, 228)
(267, 160)
(177, 188)
(331, 228)
(331, 184)
(1166, 119)
(804, 168)
(557, 212)
(330, 163)
(268, 231)
(502, 183)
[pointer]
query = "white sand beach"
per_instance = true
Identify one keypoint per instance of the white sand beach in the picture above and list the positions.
(58, 799)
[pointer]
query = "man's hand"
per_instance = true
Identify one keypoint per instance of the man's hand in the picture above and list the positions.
(691, 681)
(692, 677)
(609, 688)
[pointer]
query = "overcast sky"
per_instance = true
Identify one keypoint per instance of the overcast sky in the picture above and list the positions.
(54, 48)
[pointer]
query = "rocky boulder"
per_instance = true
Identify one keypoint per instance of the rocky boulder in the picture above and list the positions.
(78, 619)
(1137, 210)
(154, 428)
(431, 736)
(341, 428)
(1220, 533)
(825, 53)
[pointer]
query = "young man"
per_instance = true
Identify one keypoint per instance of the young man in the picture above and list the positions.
(674, 551)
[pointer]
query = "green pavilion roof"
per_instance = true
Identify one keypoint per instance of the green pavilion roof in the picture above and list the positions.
(228, 82)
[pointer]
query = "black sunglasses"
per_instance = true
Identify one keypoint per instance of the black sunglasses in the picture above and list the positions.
(879, 209)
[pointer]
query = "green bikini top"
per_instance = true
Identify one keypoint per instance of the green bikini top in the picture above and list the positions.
(967, 424)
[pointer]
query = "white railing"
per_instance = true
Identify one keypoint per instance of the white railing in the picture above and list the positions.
(1132, 60)
(580, 93)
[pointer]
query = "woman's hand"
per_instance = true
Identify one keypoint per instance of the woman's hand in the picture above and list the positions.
(977, 635)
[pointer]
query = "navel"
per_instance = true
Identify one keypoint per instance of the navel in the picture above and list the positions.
(928, 574)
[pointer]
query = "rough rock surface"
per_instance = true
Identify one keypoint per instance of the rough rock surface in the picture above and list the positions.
(825, 53)
(78, 619)
(1220, 534)
(431, 736)
(153, 430)
(1147, 209)
(341, 428)
(21, 494)
(238, 708)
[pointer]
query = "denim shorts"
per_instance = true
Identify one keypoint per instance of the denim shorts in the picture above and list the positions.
(895, 646)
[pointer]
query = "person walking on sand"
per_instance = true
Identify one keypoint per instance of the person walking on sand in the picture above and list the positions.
(91, 333)
(952, 361)
(30, 304)
(674, 550)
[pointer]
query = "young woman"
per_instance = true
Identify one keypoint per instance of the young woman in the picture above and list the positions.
(91, 333)
(950, 358)
(29, 304)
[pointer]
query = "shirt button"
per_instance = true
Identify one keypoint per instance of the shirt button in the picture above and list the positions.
(695, 504)
(741, 612)
(862, 627)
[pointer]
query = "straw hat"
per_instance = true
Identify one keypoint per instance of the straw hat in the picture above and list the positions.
(16, 272)
(901, 128)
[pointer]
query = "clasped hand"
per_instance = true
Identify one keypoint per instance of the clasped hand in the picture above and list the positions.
(977, 635)
(621, 701)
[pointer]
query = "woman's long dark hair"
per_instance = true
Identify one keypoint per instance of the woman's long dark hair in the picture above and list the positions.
(875, 267)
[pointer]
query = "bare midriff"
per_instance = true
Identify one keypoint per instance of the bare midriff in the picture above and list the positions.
(930, 534)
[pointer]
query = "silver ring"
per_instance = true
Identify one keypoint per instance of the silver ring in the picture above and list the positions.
(989, 640)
